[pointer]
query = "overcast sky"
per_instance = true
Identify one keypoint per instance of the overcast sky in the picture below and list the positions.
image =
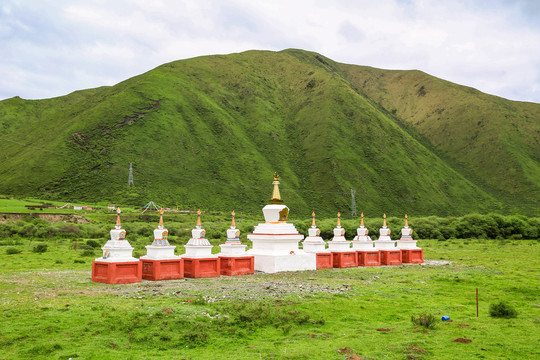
(50, 48)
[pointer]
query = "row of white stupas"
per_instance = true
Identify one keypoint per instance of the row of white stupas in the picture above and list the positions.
(275, 247)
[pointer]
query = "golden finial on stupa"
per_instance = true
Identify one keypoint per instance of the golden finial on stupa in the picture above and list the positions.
(339, 219)
(118, 211)
(384, 220)
(161, 211)
(276, 197)
(406, 221)
(199, 218)
(313, 221)
(362, 219)
(233, 223)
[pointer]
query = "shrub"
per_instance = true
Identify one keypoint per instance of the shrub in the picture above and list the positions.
(502, 310)
(41, 248)
(426, 320)
(77, 261)
(70, 230)
(93, 244)
(88, 253)
(93, 231)
(12, 251)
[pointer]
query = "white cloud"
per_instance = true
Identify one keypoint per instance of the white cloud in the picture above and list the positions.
(55, 47)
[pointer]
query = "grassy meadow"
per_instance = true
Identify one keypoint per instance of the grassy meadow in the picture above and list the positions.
(51, 310)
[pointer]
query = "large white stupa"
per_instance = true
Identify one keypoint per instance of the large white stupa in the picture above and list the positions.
(275, 242)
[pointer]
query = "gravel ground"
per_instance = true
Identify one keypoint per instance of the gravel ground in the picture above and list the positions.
(257, 286)
(53, 284)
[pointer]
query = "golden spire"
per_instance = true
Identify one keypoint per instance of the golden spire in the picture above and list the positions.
(362, 219)
(339, 219)
(199, 218)
(313, 221)
(161, 217)
(276, 197)
(233, 223)
(118, 211)
(406, 221)
(384, 220)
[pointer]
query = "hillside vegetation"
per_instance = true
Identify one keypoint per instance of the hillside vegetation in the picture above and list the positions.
(209, 132)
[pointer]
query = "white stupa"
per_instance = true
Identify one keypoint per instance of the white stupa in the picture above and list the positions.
(118, 248)
(198, 246)
(233, 246)
(275, 242)
(384, 242)
(339, 243)
(406, 241)
(362, 242)
(314, 243)
(160, 248)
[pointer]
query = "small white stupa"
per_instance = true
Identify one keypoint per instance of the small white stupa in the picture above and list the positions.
(160, 248)
(118, 248)
(384, 242)
(275, 242)
(362, 242)
(339, 243)
(314, 243)
(233, 246)
(117, 265)
(406, 242)
(198, 246)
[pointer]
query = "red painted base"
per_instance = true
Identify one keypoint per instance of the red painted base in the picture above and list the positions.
(369, 258)
(200, 268)
(325, 260)
(162, 269)
(391, 257)
(412, 256)
(237, 265)
(345, 259)
(117, 272)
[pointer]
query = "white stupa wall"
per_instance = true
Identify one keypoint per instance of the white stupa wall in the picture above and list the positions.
(118, 248)
(275, 244)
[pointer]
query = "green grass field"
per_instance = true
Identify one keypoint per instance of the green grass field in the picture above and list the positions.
(51, 310)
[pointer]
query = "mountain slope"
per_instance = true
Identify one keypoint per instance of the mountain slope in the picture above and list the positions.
(494, 141)
(209, 132)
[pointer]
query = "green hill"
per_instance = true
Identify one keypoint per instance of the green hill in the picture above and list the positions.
(209, 132)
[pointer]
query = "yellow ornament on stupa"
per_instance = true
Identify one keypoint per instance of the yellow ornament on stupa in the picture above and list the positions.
(276, 196)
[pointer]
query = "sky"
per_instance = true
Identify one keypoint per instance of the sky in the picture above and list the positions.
(50, 48)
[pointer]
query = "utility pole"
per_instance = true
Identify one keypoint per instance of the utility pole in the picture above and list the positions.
(130, 179)
(353, 203)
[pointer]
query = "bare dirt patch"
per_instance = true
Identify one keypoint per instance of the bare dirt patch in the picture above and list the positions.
(345, 350)
(462, 340)
(355, 357)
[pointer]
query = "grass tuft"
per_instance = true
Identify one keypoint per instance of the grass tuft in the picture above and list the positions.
(502, 310)
(428, 321)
